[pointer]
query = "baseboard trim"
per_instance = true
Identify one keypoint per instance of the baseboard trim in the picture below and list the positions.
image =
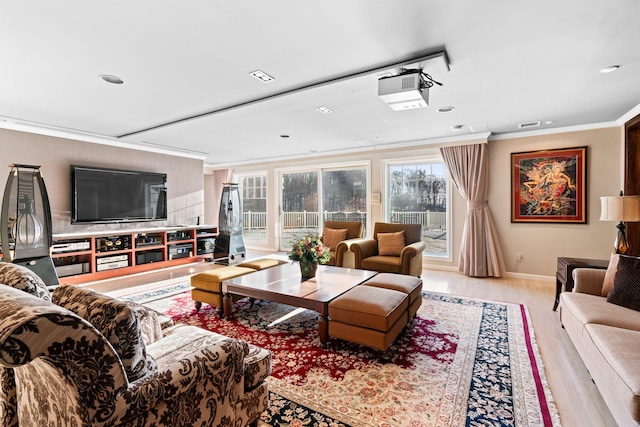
(453, 268)
(508, 274)
(537, 277)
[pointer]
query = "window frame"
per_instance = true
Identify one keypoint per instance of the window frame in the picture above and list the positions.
(319, 169)
(426, 159)
(238, 177)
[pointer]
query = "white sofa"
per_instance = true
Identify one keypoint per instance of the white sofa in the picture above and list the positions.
(607, 337)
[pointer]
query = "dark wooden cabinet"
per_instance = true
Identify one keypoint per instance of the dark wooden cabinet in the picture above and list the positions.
(564, 273)
(632, 178)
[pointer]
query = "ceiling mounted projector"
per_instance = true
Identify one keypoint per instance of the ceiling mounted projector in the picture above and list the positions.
(408, 88)
(404, 91)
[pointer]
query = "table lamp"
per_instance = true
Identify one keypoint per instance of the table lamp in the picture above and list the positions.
(620, 208)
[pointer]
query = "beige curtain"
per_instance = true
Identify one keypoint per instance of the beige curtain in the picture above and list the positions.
(480, 253)
(219, 177)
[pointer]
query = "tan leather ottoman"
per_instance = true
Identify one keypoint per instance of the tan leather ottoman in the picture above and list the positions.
(369, 315)
(208, 285)
(262, 263)
(410, 285)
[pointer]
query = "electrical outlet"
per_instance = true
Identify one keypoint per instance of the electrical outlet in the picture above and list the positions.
(519, 257)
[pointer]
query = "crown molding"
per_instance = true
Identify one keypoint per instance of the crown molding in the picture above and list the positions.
(57, 132)
(550, 131)
(466, 139)
(629, 115)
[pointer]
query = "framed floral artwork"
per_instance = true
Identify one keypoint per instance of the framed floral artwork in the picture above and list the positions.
(549, 186)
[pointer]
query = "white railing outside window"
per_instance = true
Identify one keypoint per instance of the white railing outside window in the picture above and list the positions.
(429, 220)
(310, 220)
(254, 220)
(300, 220)
(297, 223)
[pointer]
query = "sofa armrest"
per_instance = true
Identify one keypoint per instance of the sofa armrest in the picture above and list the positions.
(8, 398)
(411, 257)
(344, 253)
(416, 247)
(362, 248)
(214, 372)
(588, 280)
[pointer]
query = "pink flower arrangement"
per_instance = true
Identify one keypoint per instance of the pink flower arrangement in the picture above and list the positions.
(310, 249)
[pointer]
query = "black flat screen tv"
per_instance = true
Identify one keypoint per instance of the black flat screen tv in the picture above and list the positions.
(100, 195)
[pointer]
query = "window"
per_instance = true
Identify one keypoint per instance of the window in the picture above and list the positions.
(299, 206)
(310, 197)
(344, 195)
(417, 192)
(253, 191)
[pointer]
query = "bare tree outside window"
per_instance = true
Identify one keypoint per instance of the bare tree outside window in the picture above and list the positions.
(344, 198)
(418, 194)
(299, 206)
(344, 195)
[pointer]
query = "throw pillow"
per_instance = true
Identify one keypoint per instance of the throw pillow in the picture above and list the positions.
(626, 284)
(391, 244)
(607, 284)
(332, 236)
(150, 327)
(116, 320)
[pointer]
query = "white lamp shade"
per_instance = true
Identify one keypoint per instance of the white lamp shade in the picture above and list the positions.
(620, 208)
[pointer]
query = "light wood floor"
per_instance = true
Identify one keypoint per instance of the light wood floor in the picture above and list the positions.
(578, 401)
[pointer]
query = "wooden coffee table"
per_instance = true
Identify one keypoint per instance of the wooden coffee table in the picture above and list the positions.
(284, 284)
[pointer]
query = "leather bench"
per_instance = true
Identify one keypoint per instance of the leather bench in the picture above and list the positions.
(369, 315)
(207, 286)
(262, 263)
(412, 286)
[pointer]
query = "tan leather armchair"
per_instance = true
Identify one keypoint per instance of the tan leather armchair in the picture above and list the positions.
(354, 230)
(395, 257)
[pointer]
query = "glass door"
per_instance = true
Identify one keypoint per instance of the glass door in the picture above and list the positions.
(253, 190)
(299, 206)
(344, 195)
(309, 198)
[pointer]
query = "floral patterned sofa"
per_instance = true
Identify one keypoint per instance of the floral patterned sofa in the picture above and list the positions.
(85, 360)
(21, 278)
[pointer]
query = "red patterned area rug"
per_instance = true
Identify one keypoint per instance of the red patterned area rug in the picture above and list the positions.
(461, 362)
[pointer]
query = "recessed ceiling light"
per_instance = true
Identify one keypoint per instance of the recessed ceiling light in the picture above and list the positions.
(312, 151)
(609, 69)
(262, 76)
(456, 128)
(112, 79)
(324, 110)
(548, 122)
(446, 109)
(529, 125)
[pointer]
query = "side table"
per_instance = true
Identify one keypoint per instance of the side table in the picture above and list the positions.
(564, 274)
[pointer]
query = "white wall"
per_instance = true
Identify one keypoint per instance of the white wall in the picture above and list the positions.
(185, 198)
(539, 244)
(376, 159)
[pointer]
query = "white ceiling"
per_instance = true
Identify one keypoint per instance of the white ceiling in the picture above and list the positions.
(511, 62)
